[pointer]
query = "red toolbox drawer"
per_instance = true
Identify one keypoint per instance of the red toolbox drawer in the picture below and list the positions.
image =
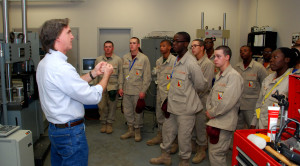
(244, 147)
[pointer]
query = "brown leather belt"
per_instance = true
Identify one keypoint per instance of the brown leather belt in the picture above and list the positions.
(67, 124)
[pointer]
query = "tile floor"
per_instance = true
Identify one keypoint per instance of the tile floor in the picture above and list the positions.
(110, 150)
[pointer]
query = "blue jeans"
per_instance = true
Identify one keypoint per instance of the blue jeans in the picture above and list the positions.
(68, 145)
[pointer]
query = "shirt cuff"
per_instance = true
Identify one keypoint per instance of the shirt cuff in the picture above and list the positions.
(99, 88)
(211, 113)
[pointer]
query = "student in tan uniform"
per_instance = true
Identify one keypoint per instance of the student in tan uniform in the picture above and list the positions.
(253, 74)
(137, 78)
(164, 67)
(207, 68)
(183, 102)
(282, 62)
(266, 59)
(108, 104)
(222, 107)
(209, 51)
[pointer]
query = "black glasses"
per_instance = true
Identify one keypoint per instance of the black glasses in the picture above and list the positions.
(208, 42)
(178, 41)
(266, 52)
(194, 46)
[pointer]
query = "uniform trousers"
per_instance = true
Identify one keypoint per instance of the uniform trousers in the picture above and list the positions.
(218, 152)
(200, 128)
(107, 108)
(129, 104)
(245, 117)
(181, 125)
(159, 114)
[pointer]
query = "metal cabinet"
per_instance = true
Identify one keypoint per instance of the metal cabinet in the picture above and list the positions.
(151, 48)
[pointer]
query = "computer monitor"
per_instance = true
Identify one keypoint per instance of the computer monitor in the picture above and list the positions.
(88, 64)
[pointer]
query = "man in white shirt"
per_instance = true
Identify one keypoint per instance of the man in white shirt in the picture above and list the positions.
(63, 92)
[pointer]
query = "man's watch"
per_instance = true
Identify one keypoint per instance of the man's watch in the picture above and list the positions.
(91, 75)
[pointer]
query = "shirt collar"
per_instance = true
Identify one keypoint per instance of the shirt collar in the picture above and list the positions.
(224, 72)
(277, 79)
(137, 56)
(169, 58)
(105, 58)
(241, 65)
(202, 59)
(58, 54)
(184, 58)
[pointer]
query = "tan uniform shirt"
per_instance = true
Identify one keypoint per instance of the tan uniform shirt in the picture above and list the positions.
(268, 68)
(164, 71)
(253, 77)
(139, 77)
(115, 81)
(186, 80)
(207, 68)
(223, 100)
(267, 85)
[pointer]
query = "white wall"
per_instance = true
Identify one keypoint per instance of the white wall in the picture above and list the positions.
(145, 16)
(282, 16)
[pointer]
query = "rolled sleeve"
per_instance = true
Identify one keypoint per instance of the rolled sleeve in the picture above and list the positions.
(78, 89)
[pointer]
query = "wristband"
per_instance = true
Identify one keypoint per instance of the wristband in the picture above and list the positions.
(91, 75)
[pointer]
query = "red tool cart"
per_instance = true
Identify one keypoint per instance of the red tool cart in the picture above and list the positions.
(245, 152)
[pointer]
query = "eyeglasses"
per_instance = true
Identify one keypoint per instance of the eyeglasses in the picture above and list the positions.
(178, 41)
(194, 46)
(266, 52)
(208, 42)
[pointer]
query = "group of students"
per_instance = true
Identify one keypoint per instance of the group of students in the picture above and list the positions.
(196, 99)
(198, 94)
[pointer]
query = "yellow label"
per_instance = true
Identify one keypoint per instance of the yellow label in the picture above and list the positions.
(257, 113)
(168, 86)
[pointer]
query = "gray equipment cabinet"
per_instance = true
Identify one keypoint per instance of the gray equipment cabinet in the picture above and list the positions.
(151, 48)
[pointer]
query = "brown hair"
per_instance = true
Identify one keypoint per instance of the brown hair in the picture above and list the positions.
(200, 41)
(226, 50)
(50, 30)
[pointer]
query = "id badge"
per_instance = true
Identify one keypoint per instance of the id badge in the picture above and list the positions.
(257, 113)
(127, 77)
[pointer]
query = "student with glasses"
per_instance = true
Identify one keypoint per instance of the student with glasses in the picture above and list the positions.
(183, 102)
(207, 68)
(266, 59)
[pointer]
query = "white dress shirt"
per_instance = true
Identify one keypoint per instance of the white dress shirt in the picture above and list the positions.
(62, 92)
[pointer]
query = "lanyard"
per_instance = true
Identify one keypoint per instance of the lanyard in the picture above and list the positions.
(168, 86)
(174, 67)
(275, 86)
(294, 70)
(132, 63)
